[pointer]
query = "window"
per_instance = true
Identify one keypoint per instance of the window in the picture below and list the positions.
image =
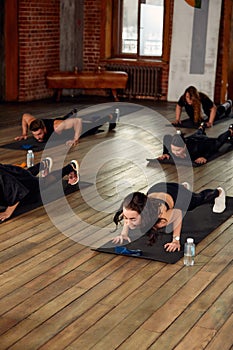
(140, 28)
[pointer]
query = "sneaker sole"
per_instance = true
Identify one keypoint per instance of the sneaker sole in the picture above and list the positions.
(216, 206)
(76, 168)
(50, 163)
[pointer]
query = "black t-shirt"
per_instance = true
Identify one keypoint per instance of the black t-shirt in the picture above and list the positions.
(16, 185)
(206, 104)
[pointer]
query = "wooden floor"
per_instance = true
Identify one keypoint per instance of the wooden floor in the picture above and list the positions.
(57, 293)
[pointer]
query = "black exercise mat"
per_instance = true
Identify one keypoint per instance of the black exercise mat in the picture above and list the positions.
(227, 147)
(51, 195)
(56, 140)
(188, 124)
(197, 224)
(36, 146)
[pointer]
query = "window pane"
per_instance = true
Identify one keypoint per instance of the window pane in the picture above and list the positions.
(130, 26)
(151, 28)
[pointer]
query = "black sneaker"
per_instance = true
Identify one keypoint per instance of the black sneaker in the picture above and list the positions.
(112, 123)
(72, 113)
(230, 128)
(202, 127)
(228, 107)
(75, 166)
(48, 163)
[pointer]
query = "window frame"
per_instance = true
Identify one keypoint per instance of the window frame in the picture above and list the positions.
(117, 36)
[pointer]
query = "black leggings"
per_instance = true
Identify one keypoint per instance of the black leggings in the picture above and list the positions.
(182, 197)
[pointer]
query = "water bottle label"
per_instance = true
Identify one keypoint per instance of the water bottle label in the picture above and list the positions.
(193, 250)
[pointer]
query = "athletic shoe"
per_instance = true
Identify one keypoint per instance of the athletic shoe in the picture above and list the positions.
(72, 113)
(48, 163)
(112, 123)
(220, 201)
(202, 127)
(75, 167)
(228, 107)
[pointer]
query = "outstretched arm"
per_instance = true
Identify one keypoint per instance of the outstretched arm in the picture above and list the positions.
(167, 139)
(178, 114)
(72, 123)
(124, 235)
(213, 111)
(176, 220)
(26, 121)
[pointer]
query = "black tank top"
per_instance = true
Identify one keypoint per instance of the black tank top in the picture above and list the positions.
(180, 195)
(49, 124)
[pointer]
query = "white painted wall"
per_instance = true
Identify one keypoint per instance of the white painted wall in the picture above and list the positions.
(179, 76)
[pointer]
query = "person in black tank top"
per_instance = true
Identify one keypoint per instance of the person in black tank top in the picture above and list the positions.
(152, 211)
(42, 129)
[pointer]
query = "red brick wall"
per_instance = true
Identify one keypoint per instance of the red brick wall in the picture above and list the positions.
(38, 46)
(91, 38)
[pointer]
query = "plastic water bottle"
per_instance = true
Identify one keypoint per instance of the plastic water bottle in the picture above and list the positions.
(117, 114)
(189, 252)
(30, 158)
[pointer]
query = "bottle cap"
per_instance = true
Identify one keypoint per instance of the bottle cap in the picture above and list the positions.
(190, 240)
(30, 151)
(178, 132)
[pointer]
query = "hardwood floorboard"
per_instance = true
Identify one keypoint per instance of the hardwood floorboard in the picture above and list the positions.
(57, 293)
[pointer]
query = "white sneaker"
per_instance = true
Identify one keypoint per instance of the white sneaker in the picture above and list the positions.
(186, 185)
(48, 163)
(75, 165)
(220, 201)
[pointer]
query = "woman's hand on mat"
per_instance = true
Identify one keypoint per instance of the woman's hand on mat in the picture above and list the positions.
(20, 138)
(208, 124)
(172, 246)
(164, 156)
(177, 123)
(201, 160)
(120, 239)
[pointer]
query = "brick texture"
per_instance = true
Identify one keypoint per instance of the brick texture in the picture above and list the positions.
(91, 38)
(38, 46)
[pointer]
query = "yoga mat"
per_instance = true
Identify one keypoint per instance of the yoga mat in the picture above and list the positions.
(51, 195)
(56, 140)
(197, 224)
(188, 124)
(227, 147)
(36, 146)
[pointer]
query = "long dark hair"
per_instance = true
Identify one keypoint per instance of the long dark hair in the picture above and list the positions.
(196, 102)
(148, 208)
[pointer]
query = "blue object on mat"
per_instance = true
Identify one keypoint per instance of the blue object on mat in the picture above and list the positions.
(125, 251)
(26, 146)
